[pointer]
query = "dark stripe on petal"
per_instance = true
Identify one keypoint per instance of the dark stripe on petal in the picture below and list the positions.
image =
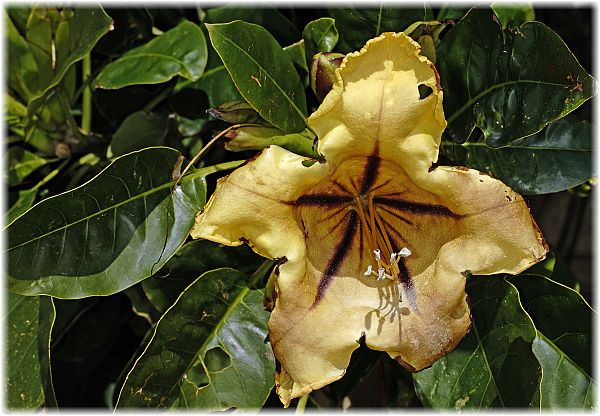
(405, 278)
(407, 284)
(391, 229)
(340, 186)
(416, 207)
(324, 200)
(398, 216)
(370, 174)
(342, 250)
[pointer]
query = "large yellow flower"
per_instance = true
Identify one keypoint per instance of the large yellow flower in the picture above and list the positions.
(375, 243)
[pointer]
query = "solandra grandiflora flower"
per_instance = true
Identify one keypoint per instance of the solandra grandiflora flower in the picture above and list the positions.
(375, 242)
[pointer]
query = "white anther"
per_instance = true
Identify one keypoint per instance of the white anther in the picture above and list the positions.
(369, 271)
(377, 254)
(393, 258)
(405, 252)
(381, 273)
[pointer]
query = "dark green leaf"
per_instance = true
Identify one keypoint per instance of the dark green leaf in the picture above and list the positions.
(296, 52)
(179, 51)
(21, 163)
(508, 88)
(555, 268)
(25, 200)
(513, 15)
(448, 11)
(26, 197)
(493, 366)
(209, 351)
(216, 84)
(140, 304)
(358, 25)
(319, 35)
(262, 72)
(139, 130)
(277, 24)
(557, 158)
(563, 345)
(109, 233)
(192, 259)
(29, 321)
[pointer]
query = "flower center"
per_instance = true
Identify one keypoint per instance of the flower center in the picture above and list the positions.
(378, 240)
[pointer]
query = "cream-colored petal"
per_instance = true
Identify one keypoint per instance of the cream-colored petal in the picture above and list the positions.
(453, 221)
(252, 205)
(375, 106)
(379, 139)
(498, 231)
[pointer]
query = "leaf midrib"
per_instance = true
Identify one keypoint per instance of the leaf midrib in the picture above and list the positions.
(543, 337)
(494, 87)
(230, 308)
(302, 116)
(518, 147)
(195, 175)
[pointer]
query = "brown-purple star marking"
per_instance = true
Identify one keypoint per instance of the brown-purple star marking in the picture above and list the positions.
(390, 203)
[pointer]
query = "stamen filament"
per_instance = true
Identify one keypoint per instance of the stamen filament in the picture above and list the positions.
(363, 220)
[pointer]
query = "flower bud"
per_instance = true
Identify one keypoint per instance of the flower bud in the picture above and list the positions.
(322, 72)
(258, 138)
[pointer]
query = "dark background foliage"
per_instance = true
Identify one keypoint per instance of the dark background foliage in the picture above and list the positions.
(94, 339)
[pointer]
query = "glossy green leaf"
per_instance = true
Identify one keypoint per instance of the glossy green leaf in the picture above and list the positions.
(262, 72)
(358, 25)
(557, 158)
(140, 304)
(23, 70)
(493, 366)
(563, 345)
(179, 51)
(513, 15)
(86, 25)
(24, 201)
(217, 84)
(297, 53)
(192, 259)
(319, 35)
(19, 15)
(25, 198)
(555, 269)
(139, 130)
(21, 163)
(271, 19)
(110, 232)
(507, 85)
(29, 321)
(209, 351)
